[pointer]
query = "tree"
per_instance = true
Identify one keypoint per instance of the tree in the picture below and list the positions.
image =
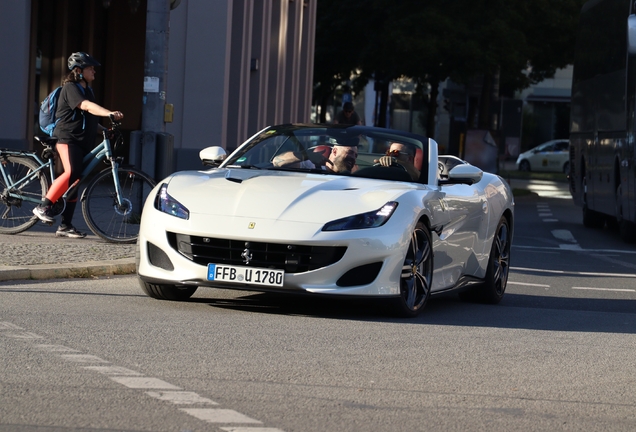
(337, 49)
(510, 45)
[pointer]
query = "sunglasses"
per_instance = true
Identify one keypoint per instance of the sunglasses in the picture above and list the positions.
(395, 153)
(348, 111)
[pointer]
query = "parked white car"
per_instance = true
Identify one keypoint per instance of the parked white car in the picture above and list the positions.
(550, 156)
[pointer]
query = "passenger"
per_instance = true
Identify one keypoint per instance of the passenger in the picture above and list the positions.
(403, 155)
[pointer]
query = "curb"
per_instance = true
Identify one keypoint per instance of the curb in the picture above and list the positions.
(71, 270)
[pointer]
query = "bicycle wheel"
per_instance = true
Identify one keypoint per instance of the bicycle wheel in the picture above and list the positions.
(16, 214)
(108, 220)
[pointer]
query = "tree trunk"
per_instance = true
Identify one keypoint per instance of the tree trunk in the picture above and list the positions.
(382, 87)
(485, 100)
(431, 115)
(324, 99)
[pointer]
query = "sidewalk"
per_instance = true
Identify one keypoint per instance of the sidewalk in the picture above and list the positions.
(38, 254)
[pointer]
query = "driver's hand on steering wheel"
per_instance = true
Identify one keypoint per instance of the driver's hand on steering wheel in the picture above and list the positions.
(386, 161)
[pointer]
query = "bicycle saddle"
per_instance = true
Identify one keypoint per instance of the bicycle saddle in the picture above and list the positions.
(46, 141)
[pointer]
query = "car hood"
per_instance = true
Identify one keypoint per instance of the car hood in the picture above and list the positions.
(284, 196)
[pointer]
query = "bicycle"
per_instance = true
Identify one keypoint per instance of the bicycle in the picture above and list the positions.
(111, 202)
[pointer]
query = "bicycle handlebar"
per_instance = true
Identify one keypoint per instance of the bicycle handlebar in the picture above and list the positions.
(114, 124)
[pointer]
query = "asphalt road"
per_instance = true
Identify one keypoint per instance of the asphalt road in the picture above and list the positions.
(96, 354)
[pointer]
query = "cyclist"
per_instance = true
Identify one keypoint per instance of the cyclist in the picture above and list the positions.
(76, 130)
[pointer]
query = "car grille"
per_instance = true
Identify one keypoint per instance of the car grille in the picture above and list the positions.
(288, 257)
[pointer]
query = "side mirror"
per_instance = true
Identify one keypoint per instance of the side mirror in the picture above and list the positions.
(463, 174)
(631, 34)
(212, 156)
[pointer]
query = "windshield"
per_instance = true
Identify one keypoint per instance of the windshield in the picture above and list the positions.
(359, 151)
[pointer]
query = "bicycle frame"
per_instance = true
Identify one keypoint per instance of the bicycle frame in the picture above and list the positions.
(32, 176)
(101, 152)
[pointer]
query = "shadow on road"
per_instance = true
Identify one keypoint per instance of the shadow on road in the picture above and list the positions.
(516, 311)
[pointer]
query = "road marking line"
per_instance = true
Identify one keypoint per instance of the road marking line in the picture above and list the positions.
(564, 235)
(528, 284)
(550, 220)
(131, 379)
(575, 273)
(545, 214)
(181, 397)
(604, 289)
(4, 325)
(55, 348)
(217, 415)
(83, 358)
(24, 335)
(250, 429)
(570, 246)
(144, 383)
(113, 370)
(605, 251)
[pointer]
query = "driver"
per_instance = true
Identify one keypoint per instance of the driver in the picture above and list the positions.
(402, 155)
(342, 158)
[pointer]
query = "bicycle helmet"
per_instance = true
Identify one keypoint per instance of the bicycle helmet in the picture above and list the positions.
(81, 60)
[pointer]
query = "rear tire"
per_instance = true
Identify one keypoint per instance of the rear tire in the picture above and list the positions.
(16, 215)
(524, 165)
(99, 204)
(167, 292)
(494, 286)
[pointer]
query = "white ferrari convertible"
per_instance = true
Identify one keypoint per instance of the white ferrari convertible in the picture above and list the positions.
(329, 210)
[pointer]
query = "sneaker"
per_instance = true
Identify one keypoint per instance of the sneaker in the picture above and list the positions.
(43, 213)
(69, 232)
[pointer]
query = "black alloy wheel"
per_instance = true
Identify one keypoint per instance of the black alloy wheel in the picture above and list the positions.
(417, 273)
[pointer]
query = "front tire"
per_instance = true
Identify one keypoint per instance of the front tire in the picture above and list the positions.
(591, 218)
(626, 228)
(16, 214)
(107, 219)
(167, 292)
(417, 273)
(524, 165)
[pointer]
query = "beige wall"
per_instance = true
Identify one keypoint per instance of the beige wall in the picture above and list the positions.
(236, 67)
(219, 98)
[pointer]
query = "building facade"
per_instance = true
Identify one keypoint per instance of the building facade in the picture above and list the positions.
(234, 66)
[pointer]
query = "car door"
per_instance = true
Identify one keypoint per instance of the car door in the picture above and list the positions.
(542, 157)
(459, 246)
(557, 156)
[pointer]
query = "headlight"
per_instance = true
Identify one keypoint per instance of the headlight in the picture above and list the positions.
(372, 219)
(165, 203)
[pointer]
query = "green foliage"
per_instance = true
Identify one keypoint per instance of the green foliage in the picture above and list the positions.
(431, 40)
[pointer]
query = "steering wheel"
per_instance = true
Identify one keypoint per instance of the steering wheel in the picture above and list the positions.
(442, 171)
(393, 165)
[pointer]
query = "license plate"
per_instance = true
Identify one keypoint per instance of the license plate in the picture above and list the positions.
(245, 275)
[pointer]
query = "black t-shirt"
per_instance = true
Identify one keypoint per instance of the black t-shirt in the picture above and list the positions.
(342, 118)
(75, 126)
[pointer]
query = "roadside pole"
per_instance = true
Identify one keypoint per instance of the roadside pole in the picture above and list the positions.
(155, 78)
